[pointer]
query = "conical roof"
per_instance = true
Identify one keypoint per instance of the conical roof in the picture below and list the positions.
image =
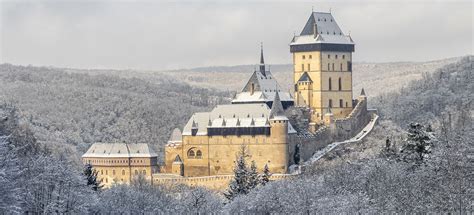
(277, 107)
(177, 159)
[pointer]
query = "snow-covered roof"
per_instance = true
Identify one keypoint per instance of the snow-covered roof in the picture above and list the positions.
(232, 115)
(175, 136)
(264, 89)
(119, 150)
(328, 31)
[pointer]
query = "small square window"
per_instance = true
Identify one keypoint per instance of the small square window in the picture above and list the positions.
(329, 56)
(336, 56)
(310, 57)
(304, 57)
(343, 57)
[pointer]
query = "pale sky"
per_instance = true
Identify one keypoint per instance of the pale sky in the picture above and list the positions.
(160, 35)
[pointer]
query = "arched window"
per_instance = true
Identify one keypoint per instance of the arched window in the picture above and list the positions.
(123, 172)
(330, 84)
(341, 103)
(309, 67)
(340, 85)
(199, 154)
(136, 172)
(330, 103)
(191, 154)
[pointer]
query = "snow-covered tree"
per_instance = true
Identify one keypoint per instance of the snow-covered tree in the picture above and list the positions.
(265, 176)
(91, 177)
(418, 144)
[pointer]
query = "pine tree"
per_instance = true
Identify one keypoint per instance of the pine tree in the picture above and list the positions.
(91, 175)
(254, 180)
(418, 143)
(265, 176)
(242, 182)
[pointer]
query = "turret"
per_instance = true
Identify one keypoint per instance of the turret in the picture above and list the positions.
(177, 167)
(278, 121)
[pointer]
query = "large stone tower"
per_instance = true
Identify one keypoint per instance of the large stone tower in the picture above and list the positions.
(322, 60)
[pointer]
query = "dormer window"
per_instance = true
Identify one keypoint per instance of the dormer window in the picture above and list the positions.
(334, 32)
(331, 20)
(319, 20)
(325, 20)
(327, 32)
(329, 56)
(343, 56)
(336, 56)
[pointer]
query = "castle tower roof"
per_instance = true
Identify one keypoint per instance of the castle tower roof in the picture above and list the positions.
(362, 92)
(277, 107)
(321, 32)
(177, 159)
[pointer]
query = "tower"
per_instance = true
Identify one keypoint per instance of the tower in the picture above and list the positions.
(177, 166)
(322, 60)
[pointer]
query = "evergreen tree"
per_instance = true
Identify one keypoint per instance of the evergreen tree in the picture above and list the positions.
(91, 175)
(265, 176)
(254, 180)
(418, 143)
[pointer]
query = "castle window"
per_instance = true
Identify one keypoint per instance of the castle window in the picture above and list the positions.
(123, 172)
(329, 68)
(144, 172)
(191, 154)
(333, 67)
(340, 85)
(336, 56)
(343, 56)
(341, 103)
(106, 172)
(113, 172)
(330, 84)
(349, 66)
(106, 180)
(309, 67)
(136, 172)
(330, 103)
(341, 67)
(347, 105)
(329, 56)
(198, 154)
(304, 57)
(310, 57)
(101, 171)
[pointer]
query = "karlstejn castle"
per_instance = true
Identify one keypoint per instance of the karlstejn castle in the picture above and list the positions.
(280, 128)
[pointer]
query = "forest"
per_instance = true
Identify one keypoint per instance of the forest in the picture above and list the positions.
(417, 160)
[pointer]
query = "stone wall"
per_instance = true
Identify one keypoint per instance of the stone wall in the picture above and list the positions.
(339, 130)
(216, 182)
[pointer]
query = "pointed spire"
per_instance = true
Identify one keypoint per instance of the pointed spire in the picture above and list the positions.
(238, 122)
(209, 123)
(194, 125)
(362, 92)
(262, 61)
(277, 107)
(177, 159)
(252, 123)
(223, 123)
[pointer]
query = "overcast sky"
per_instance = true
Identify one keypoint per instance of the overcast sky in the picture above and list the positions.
(168, 35)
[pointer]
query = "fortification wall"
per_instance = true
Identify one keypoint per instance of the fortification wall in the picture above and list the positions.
(339, 130)
(216, 182)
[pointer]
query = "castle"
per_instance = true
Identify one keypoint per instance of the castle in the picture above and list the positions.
(258, 117)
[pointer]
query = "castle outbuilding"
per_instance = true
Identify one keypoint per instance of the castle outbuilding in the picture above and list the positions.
(322, 60)
(120, 162)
